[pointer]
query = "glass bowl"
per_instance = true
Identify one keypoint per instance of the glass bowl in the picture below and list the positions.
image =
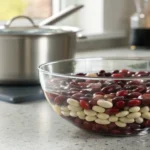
(109, 96)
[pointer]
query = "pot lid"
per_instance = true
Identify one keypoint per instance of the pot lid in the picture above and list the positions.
(34, 29)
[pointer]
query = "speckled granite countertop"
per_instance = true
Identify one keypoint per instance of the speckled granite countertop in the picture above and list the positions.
(34, 126)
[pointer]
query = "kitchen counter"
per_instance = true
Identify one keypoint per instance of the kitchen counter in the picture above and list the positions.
(34, 126)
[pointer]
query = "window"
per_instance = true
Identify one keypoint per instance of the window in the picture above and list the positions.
(34, 8)
(101, 16)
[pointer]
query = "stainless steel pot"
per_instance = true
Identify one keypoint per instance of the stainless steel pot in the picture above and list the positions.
(23, 49)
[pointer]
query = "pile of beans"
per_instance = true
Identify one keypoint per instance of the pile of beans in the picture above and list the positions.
(112, 107)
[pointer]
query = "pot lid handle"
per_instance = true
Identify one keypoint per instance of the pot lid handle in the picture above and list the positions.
(8, 23)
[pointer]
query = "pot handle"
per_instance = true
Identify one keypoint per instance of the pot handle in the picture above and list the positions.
(8, 23)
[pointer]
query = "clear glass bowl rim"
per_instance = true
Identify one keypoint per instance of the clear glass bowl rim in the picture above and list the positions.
(40, 68)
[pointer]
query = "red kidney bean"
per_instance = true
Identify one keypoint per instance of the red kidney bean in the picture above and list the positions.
(77, 96)
(134, 95)
(140, 89)
(117, 75)
(112, 126)
(116, 132)
(147, 123)
(60, 100)
(78, 122)
(134, 102)
(115, 71)
(80, 74)
(122, 93)
(134, 82)
(108, 74)
(135, 126)
(84, 104)
(120, 104)
(87, 125)
(93, 102)
(112, 111)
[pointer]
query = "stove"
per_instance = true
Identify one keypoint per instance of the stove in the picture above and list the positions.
(18, 94)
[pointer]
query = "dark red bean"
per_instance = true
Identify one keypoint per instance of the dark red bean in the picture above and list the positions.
(112, 111)
(120, 104)
(140, 89)
(93, 102)
(87, 125)
(130, 73)
(51, 96)
(117, 75)
(115, 71)
(80, 74)
(77, 96)
(122, 93)
(134, 95)
(116, 132)
(135, 126)
(124, 72)
(147, 123)
(86, 91)
(60, 100)
(134, 82)
(78, 122)
(99, 93)
(134, 102)
(84, 104)
(107, 74)
(102, 71)
(112, 126)
(146, 96)
(146, 102)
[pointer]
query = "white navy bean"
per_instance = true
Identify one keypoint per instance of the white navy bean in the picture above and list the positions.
(122, 113)
(144, 109)
(65, 113)
(102, 116)
(146, 115)
(73, 114)
(120, 124)
(57, 109)
(90, 118)
(80, 113)
(82, 117)
(91, 75)
(113, 118)
(126, 120)
(90, 112)
(134, 109)
(104, 104)
(74, 108)
(134, 115)
(139, 120)
(98, 109)
(73, 102)
(64, 108)
(103, 122)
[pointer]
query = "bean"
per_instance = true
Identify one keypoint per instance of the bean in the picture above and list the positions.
(65, 113)
(139, 120)
(90, 118)
(134, 115)
(82, 117)
(73, 114)
(146, 115)
(113, 118)
(91, 75)
(80, 113)
(104, 104)
(100, 121)
(120, 124)
(63, 108)
(103, 116)
(73, 102)
(126, 120)
(57, 109)
(145, 109)
(98, 109)
(134, 109)
(122, 114)
(74, 108)
(90, 113)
